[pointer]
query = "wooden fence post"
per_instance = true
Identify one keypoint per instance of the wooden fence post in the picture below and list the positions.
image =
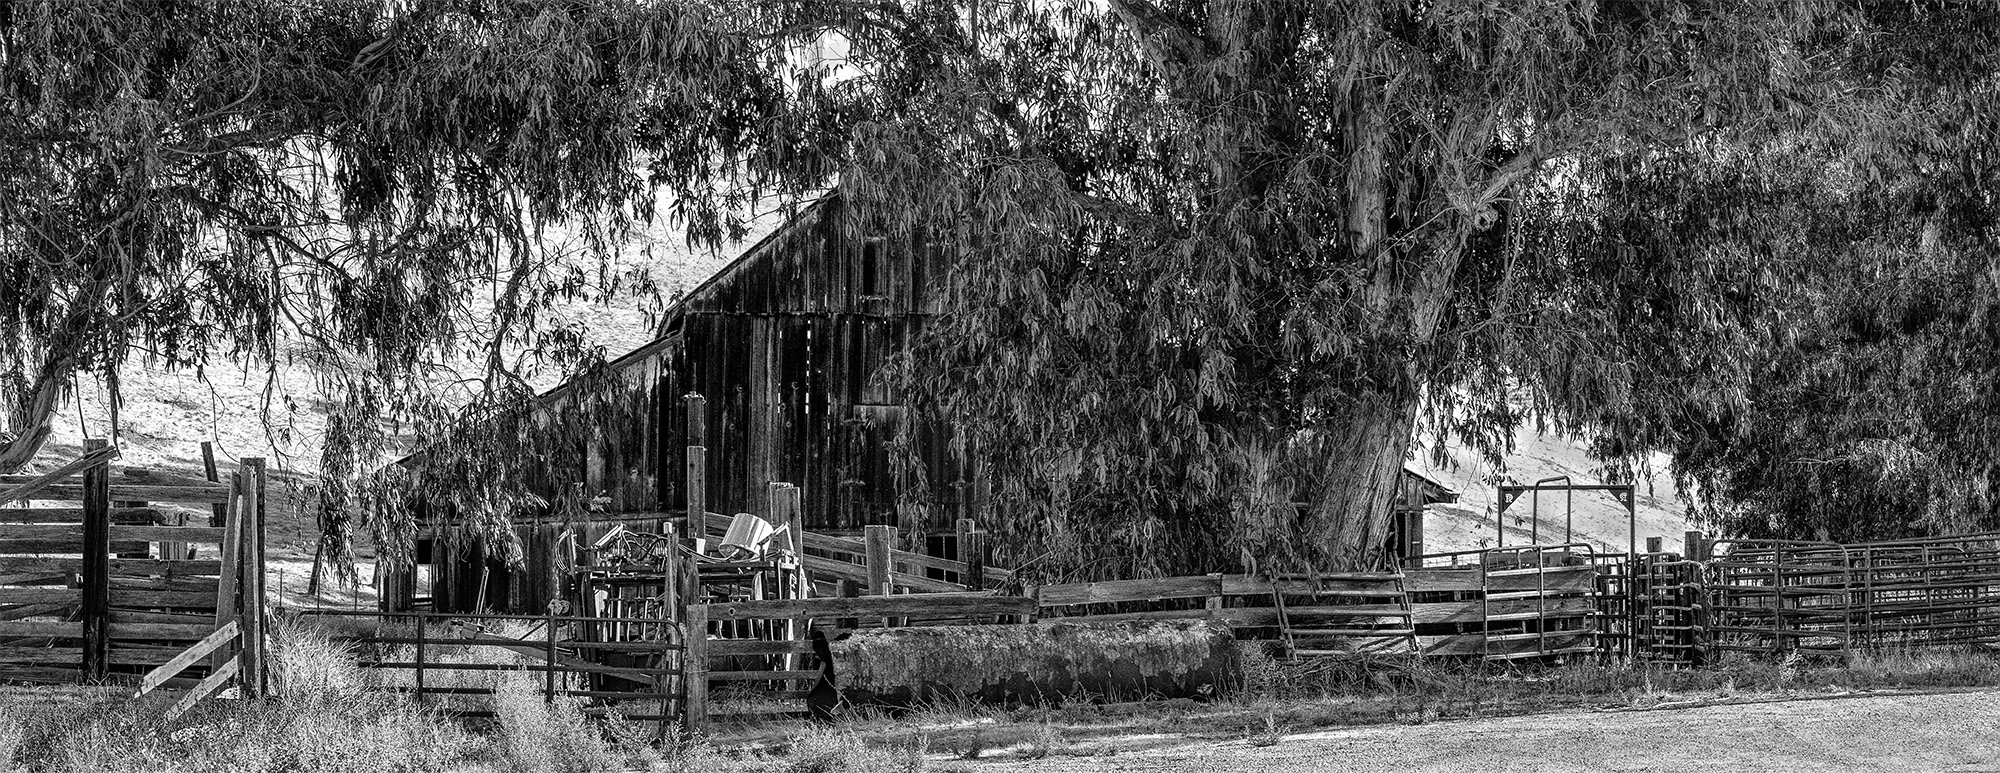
(849, 589)
(229, 581)
(1655, 544)
(549, 654)
(96, 565)
(1694, 545)
(697, 492)
(694, 670)
(880, 553)
(252, 566)
(880, 542)
(696, 482)
(218, 514)
(423, 631)
(972, 552)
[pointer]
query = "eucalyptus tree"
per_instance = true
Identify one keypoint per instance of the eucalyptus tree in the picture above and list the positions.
(1874, 414)
(1217, 262)
(370, 187)
(1207, 259)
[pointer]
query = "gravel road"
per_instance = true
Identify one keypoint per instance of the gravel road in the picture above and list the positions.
(1934, 732)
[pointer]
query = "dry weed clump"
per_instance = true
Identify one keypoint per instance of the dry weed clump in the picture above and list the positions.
(834, 752)
(539, 736)
(327, 718)
(11, 723)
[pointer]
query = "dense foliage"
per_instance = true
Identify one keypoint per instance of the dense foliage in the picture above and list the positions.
(1212, 264)
(1873, 415)
(1219, 261)
(372, 189)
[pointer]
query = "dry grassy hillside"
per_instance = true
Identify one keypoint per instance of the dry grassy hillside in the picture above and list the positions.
(1597, 518)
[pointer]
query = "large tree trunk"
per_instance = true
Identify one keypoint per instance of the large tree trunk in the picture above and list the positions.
(1353, 468)
(28, 414)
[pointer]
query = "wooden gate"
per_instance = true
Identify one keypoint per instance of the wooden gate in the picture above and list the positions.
(106, 573)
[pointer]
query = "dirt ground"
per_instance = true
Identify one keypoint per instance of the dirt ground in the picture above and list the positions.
(1934, 732)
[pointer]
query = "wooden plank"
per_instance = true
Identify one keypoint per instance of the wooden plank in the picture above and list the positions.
(120, 567)
(63, 547)
(207, 687)
(32, 629)
(97, 453)
(200, 618)
(42, 656)
(229, 579)
(35, 578)
(761, 676)
(832, 544)
(132, 516)
(732, 648)
(73, 533)
(206, 535)
(1244, 585)
(203, 599)
(1163, 614)
(1561, 579)
(44, 532)
(1476, 611)
(159, 631)
(912, 605)
(36, 610)
(1442, 580)
(188, 657)
(858, 573)
(40, 674)
(127, 492)
(63, 596)
(1119, 591)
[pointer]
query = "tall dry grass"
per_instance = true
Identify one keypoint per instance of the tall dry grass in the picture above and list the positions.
(326, 716)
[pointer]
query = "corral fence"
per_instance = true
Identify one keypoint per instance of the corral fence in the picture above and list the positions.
(1771, 596)
(704, 658)
(454, 662)
(127, 576)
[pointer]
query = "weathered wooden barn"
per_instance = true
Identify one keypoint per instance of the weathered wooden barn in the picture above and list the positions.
(785, 344)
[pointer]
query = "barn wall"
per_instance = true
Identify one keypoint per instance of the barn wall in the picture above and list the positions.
(786, 345)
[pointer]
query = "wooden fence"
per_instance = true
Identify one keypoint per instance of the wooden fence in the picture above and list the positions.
(101, 578)
(1498, 611)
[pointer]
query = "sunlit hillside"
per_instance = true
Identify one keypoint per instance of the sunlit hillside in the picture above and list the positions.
(1593, 518)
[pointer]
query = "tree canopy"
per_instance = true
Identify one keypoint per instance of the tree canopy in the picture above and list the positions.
(1212, 264)
(370, 188)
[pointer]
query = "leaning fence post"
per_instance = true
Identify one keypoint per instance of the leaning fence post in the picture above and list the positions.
(694, 668)
(96, 564)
